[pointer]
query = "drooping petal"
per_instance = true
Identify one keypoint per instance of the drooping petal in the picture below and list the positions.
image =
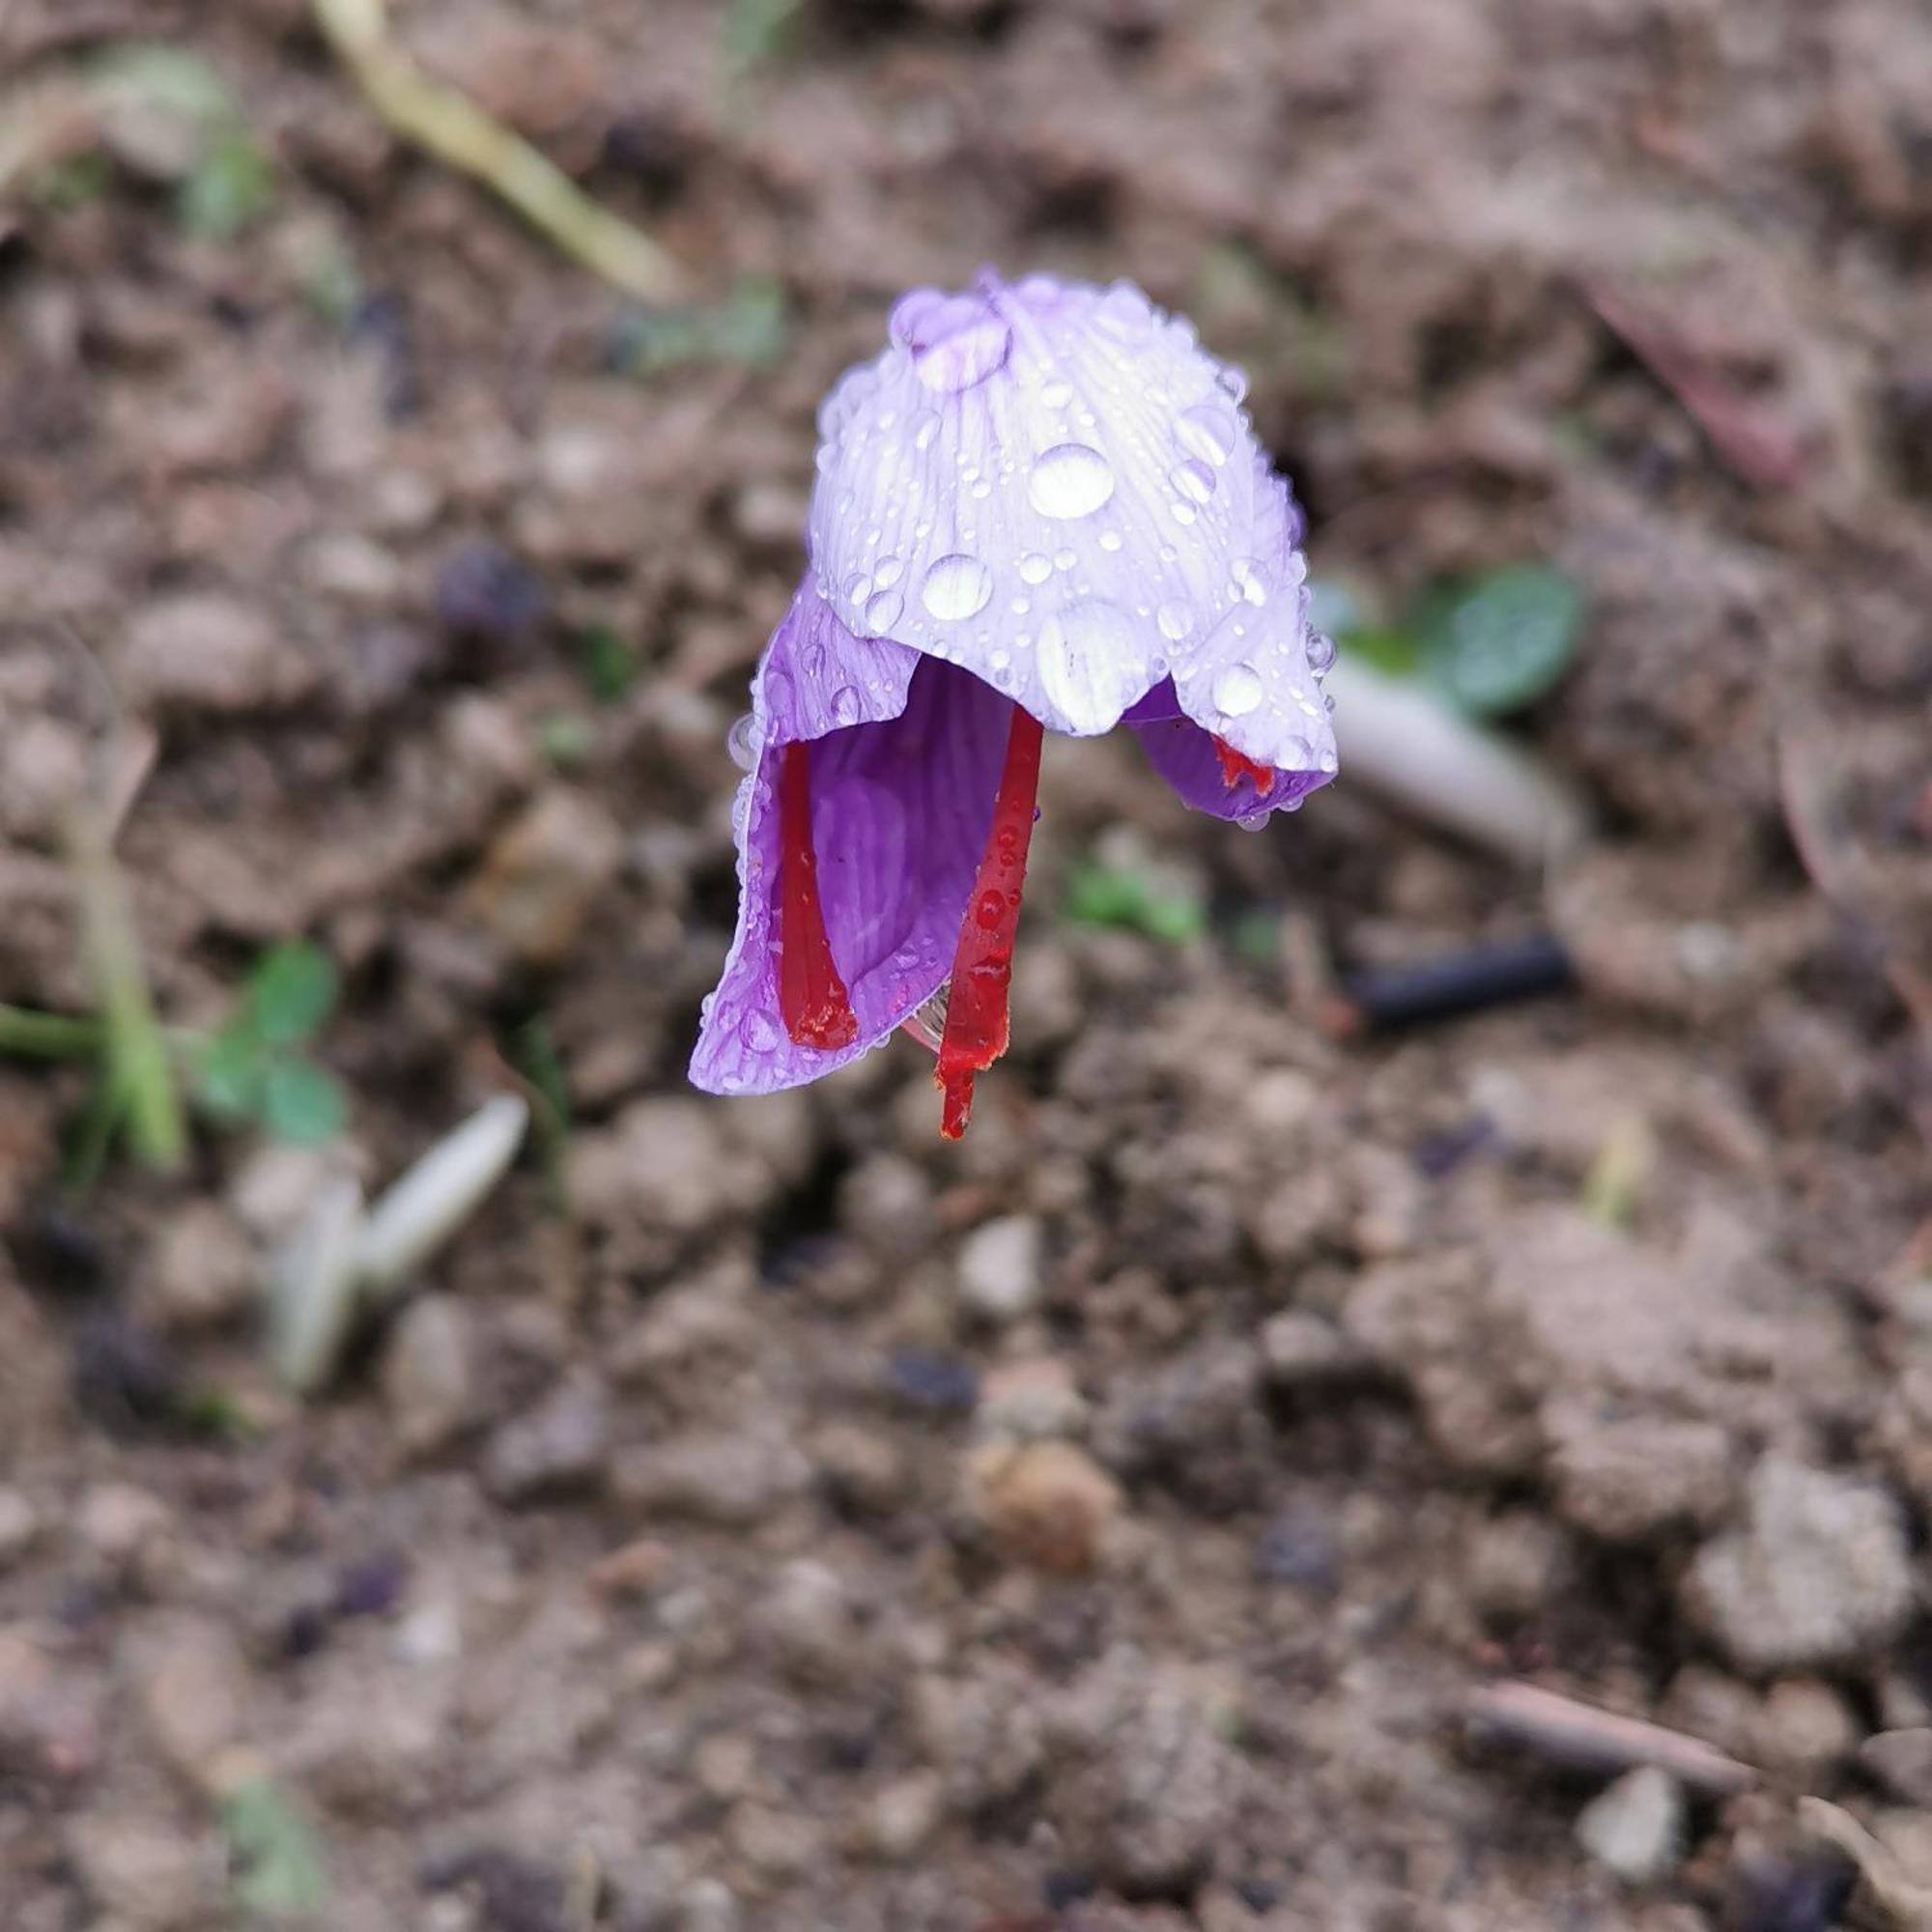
(1189, 760)
(1050, 485)
(1255, 680)
(905, 761)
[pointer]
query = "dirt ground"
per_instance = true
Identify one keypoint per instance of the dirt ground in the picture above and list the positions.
(768, 1514)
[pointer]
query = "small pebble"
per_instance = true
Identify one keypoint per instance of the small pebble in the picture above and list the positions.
(1634, 1829)
(999, 1269)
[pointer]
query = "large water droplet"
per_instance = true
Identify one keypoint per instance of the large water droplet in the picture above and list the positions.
(1207, 430)
(1237, 690)
(1176, 620)
(1234, 381)
(1246, 576)
(1057, 395)
(1183, 514)
(925, 427)
(858, 587)
(1110, 540)
(956, 586)
(956, 341)
(1035, 568)
(1193, 478)
(742, 742)
(1086, 664)
(1070, 480)
(1320, 653)
(846, 705)
(884, 610)
(889, 572)
(1125, 311)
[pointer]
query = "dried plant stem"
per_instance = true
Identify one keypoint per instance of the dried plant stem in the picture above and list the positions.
(456, 130)
(139, 1078)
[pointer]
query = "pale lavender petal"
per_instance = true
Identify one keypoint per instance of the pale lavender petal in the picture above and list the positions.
(906, 762)
(1049, 484)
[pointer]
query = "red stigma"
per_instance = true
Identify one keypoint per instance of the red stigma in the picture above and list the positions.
(976, 1016)
(817, 1010)
(1237, 765)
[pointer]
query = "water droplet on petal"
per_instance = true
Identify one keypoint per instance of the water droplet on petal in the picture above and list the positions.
(1056, 395)
(759, 1031)
(1184, 513)
(956, 341)
(1064, 560)
(1193, 478)
(858, 587)
(846, 705)
(956, 586)
(1232, 381)
(742, 742)
(1207, 430)
(884, 610)
(925, 427)
(889, 572)
(1088, 664)
(1176, 620)
(1070, 480)
(1254, 821)
(1124, 310)
(1035, 568)
(1110, 540)
(1321, 652)
(1237, 690)
(989, 908)
(1246, 576)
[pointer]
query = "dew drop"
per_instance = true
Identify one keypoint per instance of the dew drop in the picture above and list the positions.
(989, 908)
(1035, 568)
(846, 705)
(1072, 479)
(1064, 560)
(1126, 311)
(1237, 690)
(1057, 395)
(1232, 381)
(1193, 479)
(1183, 514)
(1110, 540)
(1245, 576)
(1086, 664)
(1207, 430)
(858, 587)
(889, 572)
(925, 427)
(956, 586)
(884, 610)
(1176, 620)
(742, 742)
(1320, 653)
(956, 341)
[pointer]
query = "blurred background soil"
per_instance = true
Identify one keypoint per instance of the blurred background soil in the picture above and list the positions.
(767, 1515)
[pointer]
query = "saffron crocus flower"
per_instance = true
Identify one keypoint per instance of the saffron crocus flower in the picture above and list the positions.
(1042, 508)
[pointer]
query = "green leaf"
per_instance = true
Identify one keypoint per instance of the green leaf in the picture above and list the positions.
(228, 1073)
(292, 993)
(301, 1103)
(1391, 652)
(277, 1865)
(606, 663)
(230, 186)
(1114, 895)
(172, 79)
(1503, 642)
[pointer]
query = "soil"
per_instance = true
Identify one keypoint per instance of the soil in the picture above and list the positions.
(768, 1514)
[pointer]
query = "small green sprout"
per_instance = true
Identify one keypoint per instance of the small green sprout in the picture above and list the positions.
(1135, 898)
(747, 330)
(255, 1067)
(606, 662)
(277, 1865)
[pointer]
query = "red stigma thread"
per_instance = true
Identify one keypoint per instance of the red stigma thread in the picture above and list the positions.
(811, 996)
(1237, 765)
(977, 1019)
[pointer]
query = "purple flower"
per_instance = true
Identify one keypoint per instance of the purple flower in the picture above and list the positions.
(1043, 506)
